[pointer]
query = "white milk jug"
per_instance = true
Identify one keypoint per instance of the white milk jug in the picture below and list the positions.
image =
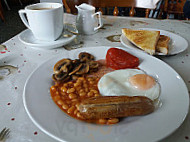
(87, 21)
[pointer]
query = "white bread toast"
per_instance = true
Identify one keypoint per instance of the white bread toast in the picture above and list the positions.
(144, 39)
(162, 45)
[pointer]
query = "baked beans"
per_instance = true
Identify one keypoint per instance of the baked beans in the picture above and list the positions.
(68, 96)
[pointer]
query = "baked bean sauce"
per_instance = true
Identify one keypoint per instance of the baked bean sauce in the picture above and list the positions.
(68, 96)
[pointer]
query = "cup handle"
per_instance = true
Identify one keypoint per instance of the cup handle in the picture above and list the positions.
(22, 13)
(99, 19)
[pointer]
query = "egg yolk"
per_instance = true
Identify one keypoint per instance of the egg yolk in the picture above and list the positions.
(142, 81)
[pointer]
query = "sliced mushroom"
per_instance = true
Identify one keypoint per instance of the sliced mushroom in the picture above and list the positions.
(53, 77)
(76, 61)
(85, 57)
(60, 76)
(93, 64)
(83, 70)
(66, 69)
(62, 65)
(77, 65)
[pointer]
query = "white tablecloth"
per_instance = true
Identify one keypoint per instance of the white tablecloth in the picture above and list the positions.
(26, 59)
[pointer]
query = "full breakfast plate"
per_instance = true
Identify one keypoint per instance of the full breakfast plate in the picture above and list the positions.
(67, 36)
(177, 44)
(153, 127)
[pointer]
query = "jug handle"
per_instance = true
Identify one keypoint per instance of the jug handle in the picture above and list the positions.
(99, 19)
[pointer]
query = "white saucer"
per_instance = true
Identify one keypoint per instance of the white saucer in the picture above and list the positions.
(27, 38)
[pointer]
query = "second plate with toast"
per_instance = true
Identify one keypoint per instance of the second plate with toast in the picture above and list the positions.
(176, 43)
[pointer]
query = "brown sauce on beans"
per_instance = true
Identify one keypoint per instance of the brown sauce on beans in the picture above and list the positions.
(68, 96)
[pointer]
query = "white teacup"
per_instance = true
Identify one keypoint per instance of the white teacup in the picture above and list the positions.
(45, 20)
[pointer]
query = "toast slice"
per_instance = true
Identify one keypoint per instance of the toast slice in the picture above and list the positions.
(143, 39)
(162, 45)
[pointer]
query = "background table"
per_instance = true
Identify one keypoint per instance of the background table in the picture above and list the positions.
(25, 59)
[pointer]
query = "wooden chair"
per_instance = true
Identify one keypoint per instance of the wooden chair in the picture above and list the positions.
(70, 5)
(174, 7)
(68, 10)
(1, 12)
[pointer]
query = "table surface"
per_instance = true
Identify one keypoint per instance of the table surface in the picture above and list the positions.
(22, 60)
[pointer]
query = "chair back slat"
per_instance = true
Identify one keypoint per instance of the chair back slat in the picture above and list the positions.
(116, 11)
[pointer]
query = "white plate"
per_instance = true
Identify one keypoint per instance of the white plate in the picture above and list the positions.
(153, 127)
(177, 43)
(27, 38)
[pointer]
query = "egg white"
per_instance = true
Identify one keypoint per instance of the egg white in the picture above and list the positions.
(117, 83)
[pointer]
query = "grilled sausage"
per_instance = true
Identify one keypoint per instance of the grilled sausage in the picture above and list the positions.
(115, 106)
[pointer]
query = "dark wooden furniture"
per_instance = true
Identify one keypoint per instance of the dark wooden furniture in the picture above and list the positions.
(68, 10)
(1, 12)
(70, 5)
(174, 7)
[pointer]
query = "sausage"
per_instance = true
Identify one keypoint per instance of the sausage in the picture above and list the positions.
(115, 106)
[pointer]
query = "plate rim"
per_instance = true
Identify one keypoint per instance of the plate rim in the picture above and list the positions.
(107, 47)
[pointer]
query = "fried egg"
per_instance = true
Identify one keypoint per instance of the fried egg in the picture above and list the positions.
(129, 82)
